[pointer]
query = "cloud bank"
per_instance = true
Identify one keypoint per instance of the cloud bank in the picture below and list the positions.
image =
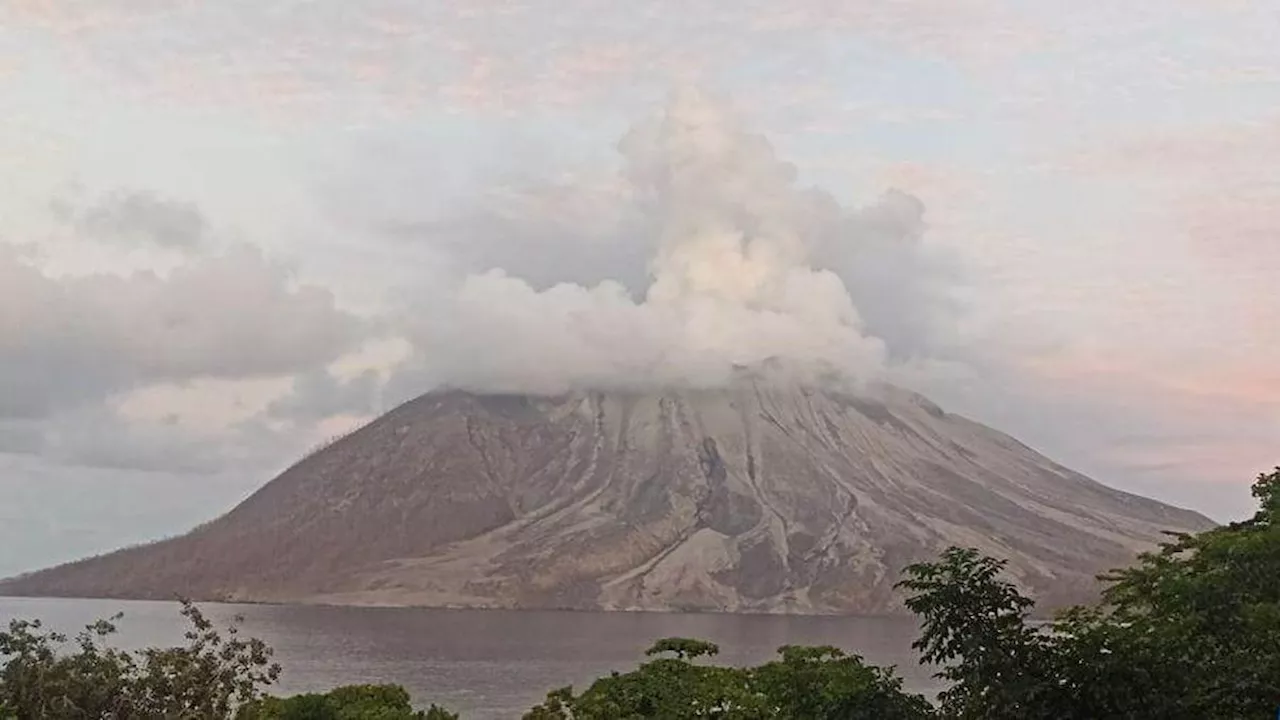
(69, 340)
(77, 349)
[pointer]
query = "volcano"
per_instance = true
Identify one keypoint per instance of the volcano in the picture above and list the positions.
(757, 497)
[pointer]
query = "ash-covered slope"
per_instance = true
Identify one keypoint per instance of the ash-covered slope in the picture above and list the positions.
(753, 498)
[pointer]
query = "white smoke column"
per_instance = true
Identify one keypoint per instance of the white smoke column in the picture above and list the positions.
(731, 282)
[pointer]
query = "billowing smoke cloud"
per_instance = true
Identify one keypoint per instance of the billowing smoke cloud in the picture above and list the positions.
(742, 270)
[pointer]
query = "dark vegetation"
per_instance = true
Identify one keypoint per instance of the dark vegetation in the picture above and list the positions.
(1189, 632)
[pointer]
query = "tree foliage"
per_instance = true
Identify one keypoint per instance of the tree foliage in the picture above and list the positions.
(351, 702)
(209, 677)
(804, 684)
(1190, 631)
(975, 625)
(1195, 626)
(825, 683)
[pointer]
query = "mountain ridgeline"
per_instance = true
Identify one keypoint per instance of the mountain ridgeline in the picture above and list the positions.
(753, 498)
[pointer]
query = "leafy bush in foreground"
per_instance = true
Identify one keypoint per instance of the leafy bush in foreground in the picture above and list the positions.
(352, 702)
(209, 677)
(1190, 632)
(805, 684)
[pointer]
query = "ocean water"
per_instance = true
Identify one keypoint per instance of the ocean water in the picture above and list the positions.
(485, 664)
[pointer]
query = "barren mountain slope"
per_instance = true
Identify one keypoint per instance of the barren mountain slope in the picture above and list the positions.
(753, 498)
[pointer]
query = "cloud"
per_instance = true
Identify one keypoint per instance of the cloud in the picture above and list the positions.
(70, 340)
(590, 230)
(1216, 202)
(389, 57)
(102, 436)
(906, 291)
(99, 436)
(704, 255)
(1216, 150)
(136, 217)
(317, 395)
(582, 230)
(961, 31)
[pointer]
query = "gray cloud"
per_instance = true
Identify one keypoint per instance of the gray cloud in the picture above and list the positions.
(583, 232)
(136, 218)
(67, 340)
(21, 436)
(97, 435)
(318, 394)
(906, 291)
(70, 345)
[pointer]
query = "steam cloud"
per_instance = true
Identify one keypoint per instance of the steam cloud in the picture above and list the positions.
(732, 279)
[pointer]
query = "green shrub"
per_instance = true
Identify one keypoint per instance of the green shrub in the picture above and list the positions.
(209, 677)
(805, 684)
(1189, 632)
(351, 702)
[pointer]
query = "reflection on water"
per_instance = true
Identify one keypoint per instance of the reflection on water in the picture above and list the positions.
(483, 663)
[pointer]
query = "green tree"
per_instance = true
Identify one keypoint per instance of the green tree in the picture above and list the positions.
(209, 677)
(215, 675)
(823, 683)
(1190, 631)
(805, 684)
(666, 688)
(1194, 626)
(975, 626)
(350, 702)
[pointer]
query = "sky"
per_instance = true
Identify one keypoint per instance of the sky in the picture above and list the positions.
(231, 231)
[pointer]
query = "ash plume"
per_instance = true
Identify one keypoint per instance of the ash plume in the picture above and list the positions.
(733, 279)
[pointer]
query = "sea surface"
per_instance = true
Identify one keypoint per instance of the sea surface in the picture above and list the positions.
(485, 664)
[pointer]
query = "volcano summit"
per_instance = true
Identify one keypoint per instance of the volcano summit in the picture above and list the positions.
(756, 497)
